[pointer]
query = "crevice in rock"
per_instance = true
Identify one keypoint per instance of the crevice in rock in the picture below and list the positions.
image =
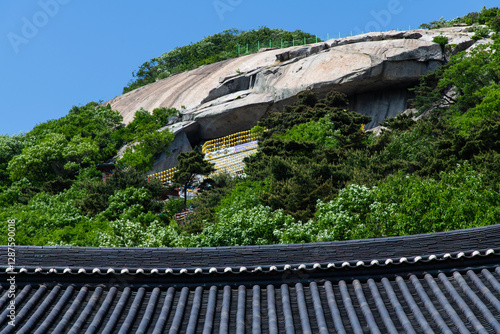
(231, 85)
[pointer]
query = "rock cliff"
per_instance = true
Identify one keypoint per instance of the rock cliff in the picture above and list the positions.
(373, 69)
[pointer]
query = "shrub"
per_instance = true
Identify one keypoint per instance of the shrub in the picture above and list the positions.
(19, 192)
(460, 199)
(495, 23)
(489, 106)
(247, 226)
(480, 32)
(402, 205)
(321, 132)
(126, 233)
(128, 202)
(346, 214)
(242, 220)
(441, 40)
(10, 146)
(172, 206)
(98, 192)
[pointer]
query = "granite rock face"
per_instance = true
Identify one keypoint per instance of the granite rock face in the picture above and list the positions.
(373, 69)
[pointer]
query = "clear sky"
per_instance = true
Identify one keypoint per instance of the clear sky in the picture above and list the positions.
(55, 54)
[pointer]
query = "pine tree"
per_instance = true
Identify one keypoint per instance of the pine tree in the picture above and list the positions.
(190, 165)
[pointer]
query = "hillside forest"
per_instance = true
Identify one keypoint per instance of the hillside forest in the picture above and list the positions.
(317, 175)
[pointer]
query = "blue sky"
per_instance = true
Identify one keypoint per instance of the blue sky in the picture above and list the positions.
(55, 54)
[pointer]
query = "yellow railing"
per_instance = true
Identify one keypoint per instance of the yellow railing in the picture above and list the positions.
(228, 141)
(164, 176)
(232, 161)
(229, 160)
(236, 168)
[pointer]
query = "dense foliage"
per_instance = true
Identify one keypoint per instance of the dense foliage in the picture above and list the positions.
(401, 205)
(330, 180)
(145, 139)
(50, 186)
(488, 16)
(317, 175)
(209, 50)
(191, 164)
(302, 156)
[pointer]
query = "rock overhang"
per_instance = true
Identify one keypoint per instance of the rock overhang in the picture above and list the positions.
(356, 65)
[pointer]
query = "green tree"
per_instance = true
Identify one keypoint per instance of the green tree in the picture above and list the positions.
(406, 204)
(91, 121)
(142, 155)
(489, 105)
(190, 165)
(469, 73)
(80, 152)
(18, 192)
(10, 146)
(46, 219)
(145, 139)
(321, 132)
(206, 203)
(40, 162)
(248, 226)
(402, 205)
(127, 233)
(301, 154)
(209, 50)
(161, 115)
(99, 193)
(485, 16)
(52, 157)
(242, 220)
(495, 23)
(57, 149)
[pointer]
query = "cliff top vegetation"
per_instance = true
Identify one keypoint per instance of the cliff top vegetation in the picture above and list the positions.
(317, 176)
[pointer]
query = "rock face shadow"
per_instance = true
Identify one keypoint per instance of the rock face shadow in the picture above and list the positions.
(375, 70)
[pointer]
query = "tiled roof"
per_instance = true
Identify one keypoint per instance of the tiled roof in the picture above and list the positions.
(442, 282)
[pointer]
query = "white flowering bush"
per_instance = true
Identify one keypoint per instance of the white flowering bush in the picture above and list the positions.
(242, 220)
(402, 205)
(342, 216)
(127, 203)
(247, 226)
(296, 232)
(126, 233)
(57, 210)
(460, 199)
(45, 218)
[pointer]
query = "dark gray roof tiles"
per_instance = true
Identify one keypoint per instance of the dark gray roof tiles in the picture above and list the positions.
(247, 256)
(429, 260)
(436, 283)
(459, 302)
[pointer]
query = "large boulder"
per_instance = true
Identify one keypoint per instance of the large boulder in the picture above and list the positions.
(180, 144)
(373, 69)
(168, 159)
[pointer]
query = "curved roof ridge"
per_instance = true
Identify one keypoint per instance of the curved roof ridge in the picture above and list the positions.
(276, 286)
(422, 245)
(488, 228)
(269, 268)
